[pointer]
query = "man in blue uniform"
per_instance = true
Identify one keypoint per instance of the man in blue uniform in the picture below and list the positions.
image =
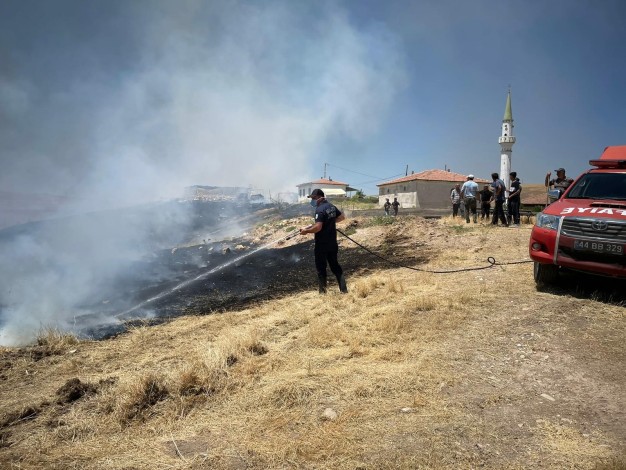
(514, 199)
(498, 197)
(326, 248)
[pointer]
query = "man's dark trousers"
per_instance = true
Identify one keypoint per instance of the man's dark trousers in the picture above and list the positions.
(514, 211)
(485, 208)
(498, 213)
(323, 255)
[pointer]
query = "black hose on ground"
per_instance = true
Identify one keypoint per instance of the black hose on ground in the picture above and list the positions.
(491, 260)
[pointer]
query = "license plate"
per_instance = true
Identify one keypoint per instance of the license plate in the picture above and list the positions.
(599, 247)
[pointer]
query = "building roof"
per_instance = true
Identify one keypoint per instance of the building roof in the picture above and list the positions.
(325, 182)
(508, 114)
(434, 175)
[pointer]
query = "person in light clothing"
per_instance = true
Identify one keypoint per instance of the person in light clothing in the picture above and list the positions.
(469, 190)
(455, 198)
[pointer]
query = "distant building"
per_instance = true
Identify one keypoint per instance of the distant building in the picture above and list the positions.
(331, 188)
(429, 189)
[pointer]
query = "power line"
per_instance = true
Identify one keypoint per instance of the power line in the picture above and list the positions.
(380, 179)
(363, 174)
(351, 171)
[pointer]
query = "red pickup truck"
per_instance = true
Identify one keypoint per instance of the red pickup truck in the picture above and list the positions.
(584, 229)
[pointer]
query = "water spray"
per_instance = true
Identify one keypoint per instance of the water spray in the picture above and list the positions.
(183, 284)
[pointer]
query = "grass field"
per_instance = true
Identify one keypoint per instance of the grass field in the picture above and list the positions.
(410, 369)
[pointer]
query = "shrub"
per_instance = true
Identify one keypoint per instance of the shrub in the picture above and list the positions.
(382, 220)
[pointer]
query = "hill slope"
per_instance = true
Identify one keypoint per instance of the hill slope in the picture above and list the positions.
(409, 370)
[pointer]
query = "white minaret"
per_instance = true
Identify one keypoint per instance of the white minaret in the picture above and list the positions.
(506, 143)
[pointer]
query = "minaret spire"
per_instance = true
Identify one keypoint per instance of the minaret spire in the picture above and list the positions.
(506, 140)
(508, 114)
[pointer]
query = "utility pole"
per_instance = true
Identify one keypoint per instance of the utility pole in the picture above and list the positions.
(406, 172)
(325, 170)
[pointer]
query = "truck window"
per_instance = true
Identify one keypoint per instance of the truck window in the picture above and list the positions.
(600, 186)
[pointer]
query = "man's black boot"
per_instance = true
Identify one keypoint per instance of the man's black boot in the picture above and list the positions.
(322, 284)
(342, 284)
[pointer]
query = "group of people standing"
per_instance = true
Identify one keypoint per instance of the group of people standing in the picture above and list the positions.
(327, 215)
(389, 205)
(471, 197)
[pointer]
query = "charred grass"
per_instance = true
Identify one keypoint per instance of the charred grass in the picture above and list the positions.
(407, 370)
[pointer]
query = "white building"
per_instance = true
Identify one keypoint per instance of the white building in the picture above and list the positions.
(429, 189)
(506, 140)
(331, 188)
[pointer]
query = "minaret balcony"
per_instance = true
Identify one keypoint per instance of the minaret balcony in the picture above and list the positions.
(506, 139)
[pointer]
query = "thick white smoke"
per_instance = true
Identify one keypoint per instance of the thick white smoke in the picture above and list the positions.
(218, 93)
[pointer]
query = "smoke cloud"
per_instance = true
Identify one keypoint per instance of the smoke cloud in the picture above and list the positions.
(131, 106)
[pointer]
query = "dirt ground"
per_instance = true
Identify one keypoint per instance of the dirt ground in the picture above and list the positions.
(412, 369)
(533, 362)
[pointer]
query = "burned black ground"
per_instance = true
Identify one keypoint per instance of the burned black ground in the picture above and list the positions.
(267, 274)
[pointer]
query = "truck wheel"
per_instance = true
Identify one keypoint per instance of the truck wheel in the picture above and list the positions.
(545, 273)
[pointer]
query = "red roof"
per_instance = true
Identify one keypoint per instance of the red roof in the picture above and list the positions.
(326, 182)
(434, 175)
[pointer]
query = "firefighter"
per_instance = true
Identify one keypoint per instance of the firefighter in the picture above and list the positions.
(326, 248)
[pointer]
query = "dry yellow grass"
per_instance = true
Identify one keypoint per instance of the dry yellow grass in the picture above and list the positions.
(53, 341)
(408, 370)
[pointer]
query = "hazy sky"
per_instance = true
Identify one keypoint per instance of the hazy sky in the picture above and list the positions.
(111, 100)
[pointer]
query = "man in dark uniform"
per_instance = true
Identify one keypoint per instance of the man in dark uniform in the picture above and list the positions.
(498, 197)
(395, 204)
(514, 199)
(485, 202)
(326, 248)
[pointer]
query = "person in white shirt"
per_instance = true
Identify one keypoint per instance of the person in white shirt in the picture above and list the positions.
(468, 193)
